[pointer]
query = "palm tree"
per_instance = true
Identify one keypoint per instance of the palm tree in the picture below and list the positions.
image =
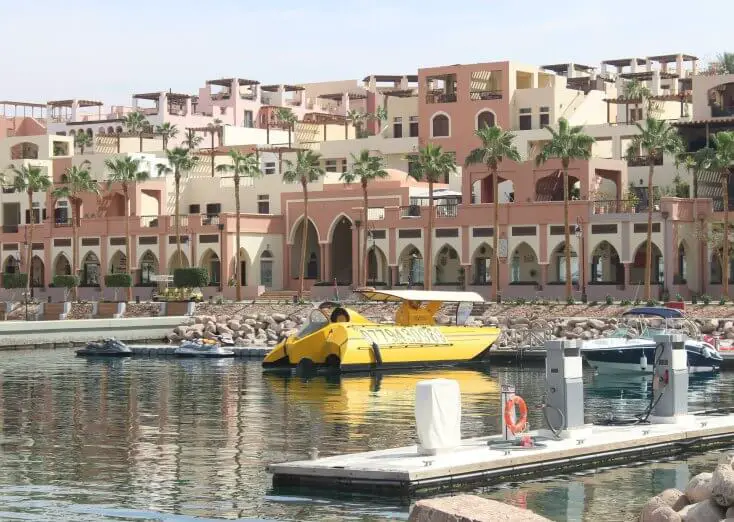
(656, 138)
(180, 161)
(126, 171)
(725, 63)
(82, 140)
(75, 181)
(167, 131)
(380, 115)
(636, 91)
(357, 119)
(248, 166)
(192, 140)
(135, 123)
(304, 170)
(215, 129)
(366, 169)
(567, 143)
(288, 118)
(496, 146)
(30, 179)
(432, 165)
(720, 159)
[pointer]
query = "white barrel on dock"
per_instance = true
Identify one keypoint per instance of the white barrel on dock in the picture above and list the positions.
(438, 416)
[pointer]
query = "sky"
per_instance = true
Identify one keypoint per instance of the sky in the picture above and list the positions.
(109, 49)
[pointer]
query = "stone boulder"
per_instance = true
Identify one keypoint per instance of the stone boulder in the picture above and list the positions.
(706, 511)
(470, 508)
(699, 488)
(722, 485)
(279, 318)
(665, 514)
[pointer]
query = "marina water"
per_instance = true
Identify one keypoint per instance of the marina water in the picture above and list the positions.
(164, 439)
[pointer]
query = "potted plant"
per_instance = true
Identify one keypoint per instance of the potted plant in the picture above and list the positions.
(55, 311)
(187, 282)
(113, 309)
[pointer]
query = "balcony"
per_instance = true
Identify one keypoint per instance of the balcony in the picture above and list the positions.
(447, 211)
(642, 161)
(149, 221)
(623, 206)
(10, 229)
(62, 222)
(249, 96)
(410, 212)
(485, 95)
(440, 97)
(375, 214)
(210, 219)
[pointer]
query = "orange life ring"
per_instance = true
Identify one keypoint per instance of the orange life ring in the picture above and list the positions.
(520, 424)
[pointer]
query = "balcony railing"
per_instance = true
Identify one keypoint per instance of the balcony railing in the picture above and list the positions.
(62, 222)
(485, 95)
(249, 96)
(149, 221)
(10, 229)
(375, 214)
(410, 211)
(441, 97)
(623, 206)
(642, 161)
(210, 219)
(447, 211)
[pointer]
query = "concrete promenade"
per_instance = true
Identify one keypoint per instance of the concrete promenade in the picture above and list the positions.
(74, 332)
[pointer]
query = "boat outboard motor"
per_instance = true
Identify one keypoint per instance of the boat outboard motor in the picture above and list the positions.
(670, 379)
(564, 401)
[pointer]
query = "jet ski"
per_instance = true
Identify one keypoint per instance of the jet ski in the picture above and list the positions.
(106, 348)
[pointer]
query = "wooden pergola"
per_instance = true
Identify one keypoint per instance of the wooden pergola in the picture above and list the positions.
(683, 98)
(339, 96)
(25, 105)
(211, 129)
(58, 105)
(286, 88)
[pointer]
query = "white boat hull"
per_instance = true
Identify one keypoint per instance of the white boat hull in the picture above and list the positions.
(214, 352)
(617, 368)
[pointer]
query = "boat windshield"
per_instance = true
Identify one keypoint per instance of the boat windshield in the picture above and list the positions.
(316, 321)
(646, 333)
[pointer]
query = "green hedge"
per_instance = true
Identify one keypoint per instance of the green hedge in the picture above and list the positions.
(190, 277)
(65, 281)
(118, 281)
(17, 280)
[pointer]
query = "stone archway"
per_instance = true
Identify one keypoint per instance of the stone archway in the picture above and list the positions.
(38, 271)
(376, 266)
(62, 266)
(313, 252)
(448, 266)
(90, 268)
(637, 270)
(606, 268)
(244, 267)
(178, 260)
(210, 261)
(410, 266)
(341, 251)
(482, 265)
(148, 267)
(558, 264)
(118, 263)
(524, 267)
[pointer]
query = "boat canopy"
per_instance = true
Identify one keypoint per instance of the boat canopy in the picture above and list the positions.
(421, 295)
(656, 311)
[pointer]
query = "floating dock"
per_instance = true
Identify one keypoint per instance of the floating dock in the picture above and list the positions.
(166, 350)
(403, 472)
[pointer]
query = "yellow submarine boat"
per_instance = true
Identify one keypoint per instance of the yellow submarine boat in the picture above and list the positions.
(342, 340)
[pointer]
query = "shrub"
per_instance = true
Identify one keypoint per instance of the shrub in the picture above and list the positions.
(706, 299)
(118, 280)
(651, 302)
(190, 277)
(722, 301)
(16, 280)
(637, 302)
(569, 300)
(625, 302)
(609, 299)
(679, 298)
(65, 281)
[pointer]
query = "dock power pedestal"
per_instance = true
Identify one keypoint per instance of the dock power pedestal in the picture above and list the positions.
(670, 379)
(564, 399)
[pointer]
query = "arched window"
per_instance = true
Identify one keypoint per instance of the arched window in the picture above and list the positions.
(485, 119)
(266, 268)
(440, 126)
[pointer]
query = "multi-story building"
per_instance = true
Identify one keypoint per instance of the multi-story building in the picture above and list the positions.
(441, 105)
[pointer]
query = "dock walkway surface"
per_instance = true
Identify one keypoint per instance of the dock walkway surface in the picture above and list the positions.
(403, 472)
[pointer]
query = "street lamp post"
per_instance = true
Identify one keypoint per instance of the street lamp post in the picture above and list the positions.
(371, 237)
(413, 258)
(580, 236)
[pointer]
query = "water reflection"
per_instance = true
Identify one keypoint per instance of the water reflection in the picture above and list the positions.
(134, 438)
